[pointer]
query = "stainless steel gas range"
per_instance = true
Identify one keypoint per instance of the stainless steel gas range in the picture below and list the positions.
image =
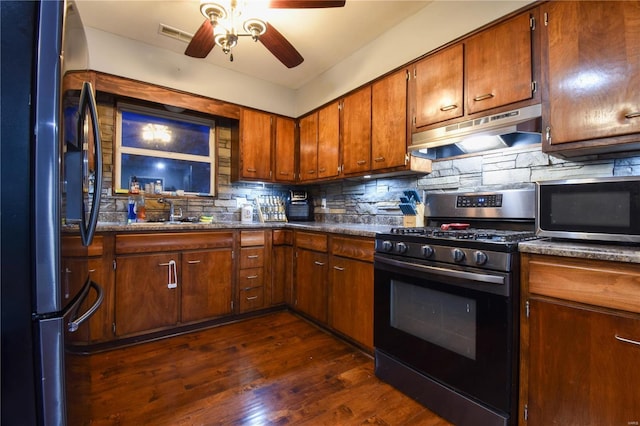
(446, 304)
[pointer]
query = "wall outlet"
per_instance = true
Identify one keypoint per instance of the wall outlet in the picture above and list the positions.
(323, 203)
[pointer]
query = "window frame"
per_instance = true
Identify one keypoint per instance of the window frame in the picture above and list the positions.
(119, 149)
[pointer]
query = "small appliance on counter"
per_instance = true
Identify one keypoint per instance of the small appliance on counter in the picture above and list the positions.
(299, 206)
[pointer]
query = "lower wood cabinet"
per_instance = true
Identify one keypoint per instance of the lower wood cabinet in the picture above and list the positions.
(77, 263)
(282, 267)
(351, 289)
(206, 284)
(311, 265)
(580, 342)
(252, 270)
(166, 279)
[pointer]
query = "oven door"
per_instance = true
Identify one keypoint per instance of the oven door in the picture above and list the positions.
(452, 324)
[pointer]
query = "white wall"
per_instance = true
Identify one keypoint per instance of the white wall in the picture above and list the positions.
(435, 25)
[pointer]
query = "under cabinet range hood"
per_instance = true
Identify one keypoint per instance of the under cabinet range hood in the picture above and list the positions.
(506, 129)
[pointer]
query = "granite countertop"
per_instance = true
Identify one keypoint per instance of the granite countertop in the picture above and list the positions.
(582, 250)
(354, 229)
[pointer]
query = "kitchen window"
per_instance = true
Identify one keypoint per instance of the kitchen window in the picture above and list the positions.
(175, 149)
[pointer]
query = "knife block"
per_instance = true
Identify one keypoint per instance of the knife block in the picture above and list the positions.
(417, 220)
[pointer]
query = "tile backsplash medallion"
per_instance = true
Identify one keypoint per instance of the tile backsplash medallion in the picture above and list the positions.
(371, 201)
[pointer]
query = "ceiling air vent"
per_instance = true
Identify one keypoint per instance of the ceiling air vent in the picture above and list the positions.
(174, 33)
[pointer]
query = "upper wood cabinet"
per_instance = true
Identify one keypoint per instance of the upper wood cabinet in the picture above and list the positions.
(591, 76)
(320, 143)
(261, 135)
(492, 69)
(389, 121)
(437, 87)
(255, 146)
(285, 158)
(355, 127)
(498, 64)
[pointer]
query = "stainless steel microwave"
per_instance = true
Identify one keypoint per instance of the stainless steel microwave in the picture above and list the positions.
(603, 209)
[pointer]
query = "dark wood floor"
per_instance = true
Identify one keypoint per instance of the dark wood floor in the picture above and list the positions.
(272, 370)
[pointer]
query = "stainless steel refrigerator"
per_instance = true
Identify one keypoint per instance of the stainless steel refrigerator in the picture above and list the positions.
(45, 179)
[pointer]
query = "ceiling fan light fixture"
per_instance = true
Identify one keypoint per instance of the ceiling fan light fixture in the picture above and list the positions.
(213, 11)
(255, 27)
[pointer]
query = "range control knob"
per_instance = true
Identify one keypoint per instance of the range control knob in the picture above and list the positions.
(387, 245)
(427, 251)
(480, 257)
(401, 248)
(458, 255)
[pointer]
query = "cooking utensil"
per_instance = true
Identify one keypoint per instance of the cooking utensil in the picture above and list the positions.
(454, 226)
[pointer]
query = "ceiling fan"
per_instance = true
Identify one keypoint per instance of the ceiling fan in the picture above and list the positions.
(220, 29)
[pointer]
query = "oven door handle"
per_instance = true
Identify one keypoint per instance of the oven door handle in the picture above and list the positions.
(452, 273)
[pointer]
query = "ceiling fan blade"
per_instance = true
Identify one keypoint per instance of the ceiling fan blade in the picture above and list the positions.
(305, 4)
(280, 47)
(202, 41)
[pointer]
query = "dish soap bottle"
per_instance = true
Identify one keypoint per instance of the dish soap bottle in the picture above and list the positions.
(131, 213)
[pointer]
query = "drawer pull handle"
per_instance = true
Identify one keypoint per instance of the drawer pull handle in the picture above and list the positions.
(310, 172)
(253, 256)
(622, 339)
(252, 298)
(632, 115)
(448, 107)
(319, 263)
(284, 173)
(193, 262)
(378, 159)
(252, 277)
(337, 268)
(361, 162)
(483, 97)
(322, 170)
(251, 170)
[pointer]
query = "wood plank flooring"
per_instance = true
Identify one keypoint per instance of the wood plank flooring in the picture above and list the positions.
(272, 370)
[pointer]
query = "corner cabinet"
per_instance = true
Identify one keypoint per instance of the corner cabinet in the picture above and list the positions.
(591, 75)
(164, 279)
(580, 342)
(264, 143)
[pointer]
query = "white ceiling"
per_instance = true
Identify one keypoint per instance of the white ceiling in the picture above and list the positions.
(324, 37)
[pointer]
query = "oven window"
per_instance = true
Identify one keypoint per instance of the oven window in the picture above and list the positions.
(443, 319)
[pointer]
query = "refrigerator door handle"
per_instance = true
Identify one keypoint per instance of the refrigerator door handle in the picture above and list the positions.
(75, 322)
(88, 102)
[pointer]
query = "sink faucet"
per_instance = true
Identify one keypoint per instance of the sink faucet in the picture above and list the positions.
(172, 214)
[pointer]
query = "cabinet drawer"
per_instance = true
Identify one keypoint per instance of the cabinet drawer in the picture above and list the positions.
(607, 284)
(251, 238)
(252, 298)
(249, 278)
(353, 248)
(251, 257)
(282, 237)
(161, 241)
(311, 241)
(72, 247)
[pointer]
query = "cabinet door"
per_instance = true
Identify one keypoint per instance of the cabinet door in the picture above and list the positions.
(592, 69)
(282, 275)
(285, 150)
(351, 301)
(144, 299)
(311, 284)
(580, 372)
(309, 147)
(329, 141)
(356, 131)
(499, 68)
(255, 145)
(389, 121)
(437, 87)
(206, 284)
